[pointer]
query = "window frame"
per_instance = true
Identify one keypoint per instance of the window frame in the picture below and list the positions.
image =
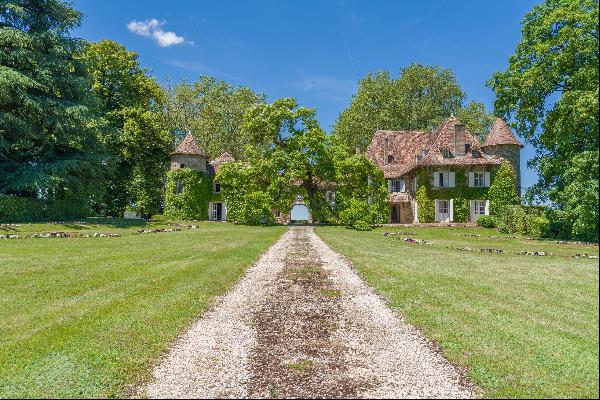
(478, 176)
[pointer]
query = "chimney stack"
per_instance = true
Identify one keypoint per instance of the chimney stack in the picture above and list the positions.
(385, 151)
(459, 140)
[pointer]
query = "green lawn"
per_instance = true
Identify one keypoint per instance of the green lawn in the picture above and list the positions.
(525, 326)
(86, 317)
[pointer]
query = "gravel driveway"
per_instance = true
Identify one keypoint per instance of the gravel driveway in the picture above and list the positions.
(302, 323)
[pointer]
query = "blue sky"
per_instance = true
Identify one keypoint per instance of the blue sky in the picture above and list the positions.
(315, 51)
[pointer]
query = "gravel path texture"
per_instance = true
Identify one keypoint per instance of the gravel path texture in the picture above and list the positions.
(302, 324)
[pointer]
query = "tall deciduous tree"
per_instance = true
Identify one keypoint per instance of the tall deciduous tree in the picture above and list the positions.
(134, 135)
(48, 127)
(550, 90)
(285, 130)
(419, 99)
(212, 110)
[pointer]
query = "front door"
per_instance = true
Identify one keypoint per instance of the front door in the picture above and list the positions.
(217, 212)
(395, 217)
(443, 210)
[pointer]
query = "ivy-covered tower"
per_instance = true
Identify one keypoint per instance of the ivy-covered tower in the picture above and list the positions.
(501, 142)
(189, 155)
(189, 186)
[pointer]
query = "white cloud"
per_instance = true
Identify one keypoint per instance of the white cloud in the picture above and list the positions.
(152, 28)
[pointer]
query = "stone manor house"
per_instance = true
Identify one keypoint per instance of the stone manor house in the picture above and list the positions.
(440, 156)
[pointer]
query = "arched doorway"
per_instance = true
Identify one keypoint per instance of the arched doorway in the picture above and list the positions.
(299, 214)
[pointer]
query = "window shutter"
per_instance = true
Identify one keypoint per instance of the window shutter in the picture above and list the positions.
(451, 210)
(437, 210)
(446, 179)
(487, 179)
(402, 185)
(451, 179)
(436, 182)
(471, 179)
(487, 207)
(390, 185)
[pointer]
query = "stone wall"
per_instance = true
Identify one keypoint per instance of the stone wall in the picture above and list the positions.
(194, 162)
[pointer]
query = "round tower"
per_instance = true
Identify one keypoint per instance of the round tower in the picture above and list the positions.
(189, 155)
(502, 143)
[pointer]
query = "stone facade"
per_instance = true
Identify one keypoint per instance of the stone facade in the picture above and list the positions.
(192, 161)
(450, 151)
(510, 153)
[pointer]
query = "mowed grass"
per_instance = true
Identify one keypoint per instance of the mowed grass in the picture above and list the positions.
(525, 326)
(86, 317)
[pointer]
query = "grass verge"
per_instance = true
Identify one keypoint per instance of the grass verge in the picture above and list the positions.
(525, 326)
(85, 317)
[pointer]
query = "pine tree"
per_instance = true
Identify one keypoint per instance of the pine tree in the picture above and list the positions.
(48, 127)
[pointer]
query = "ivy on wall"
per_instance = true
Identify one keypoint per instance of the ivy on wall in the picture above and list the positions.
(192, 202)
(503, 191)
(462, 194)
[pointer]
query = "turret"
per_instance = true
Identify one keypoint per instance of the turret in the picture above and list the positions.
(501, 142)
(189, 155)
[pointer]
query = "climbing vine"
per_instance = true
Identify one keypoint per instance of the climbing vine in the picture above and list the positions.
(503, 191)
(187, 194)
(462, 194)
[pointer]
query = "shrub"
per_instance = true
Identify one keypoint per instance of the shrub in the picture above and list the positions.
(538, 226)
(23, 209)
(257, 209)
(512, 219)
(503, 191)
(486, 221)
(425, 206)
(358, 215)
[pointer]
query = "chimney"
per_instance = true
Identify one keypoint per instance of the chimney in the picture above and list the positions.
(459, 140)
(385, 151)
(357, 150)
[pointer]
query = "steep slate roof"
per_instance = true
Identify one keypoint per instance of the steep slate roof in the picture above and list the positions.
(411, 149)
(501, 134)
(189, 146)
(222, 159)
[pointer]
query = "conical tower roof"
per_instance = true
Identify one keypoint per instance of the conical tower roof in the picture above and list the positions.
(189, 146)
(501, 134)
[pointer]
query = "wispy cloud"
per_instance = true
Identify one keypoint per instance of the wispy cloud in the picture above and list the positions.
(203, 69)
(152, 28)
(326, 87)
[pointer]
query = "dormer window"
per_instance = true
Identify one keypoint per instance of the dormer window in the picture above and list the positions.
(390, 158)
(446, 153)
(475, 154)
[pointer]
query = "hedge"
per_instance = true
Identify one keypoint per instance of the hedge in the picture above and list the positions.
(24, 209)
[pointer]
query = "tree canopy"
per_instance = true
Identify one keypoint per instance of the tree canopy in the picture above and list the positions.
(49, 129)
(212, 111)
(136, 140)
(550, 91)
(419, 99)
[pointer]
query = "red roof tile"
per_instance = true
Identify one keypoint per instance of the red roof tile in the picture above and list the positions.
(501, 134)
(189, 146)
(411, 149)
(222, 159)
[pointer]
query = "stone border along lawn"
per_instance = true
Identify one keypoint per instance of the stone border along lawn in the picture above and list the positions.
(87, 317)
(523, 326)
(301, 323)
